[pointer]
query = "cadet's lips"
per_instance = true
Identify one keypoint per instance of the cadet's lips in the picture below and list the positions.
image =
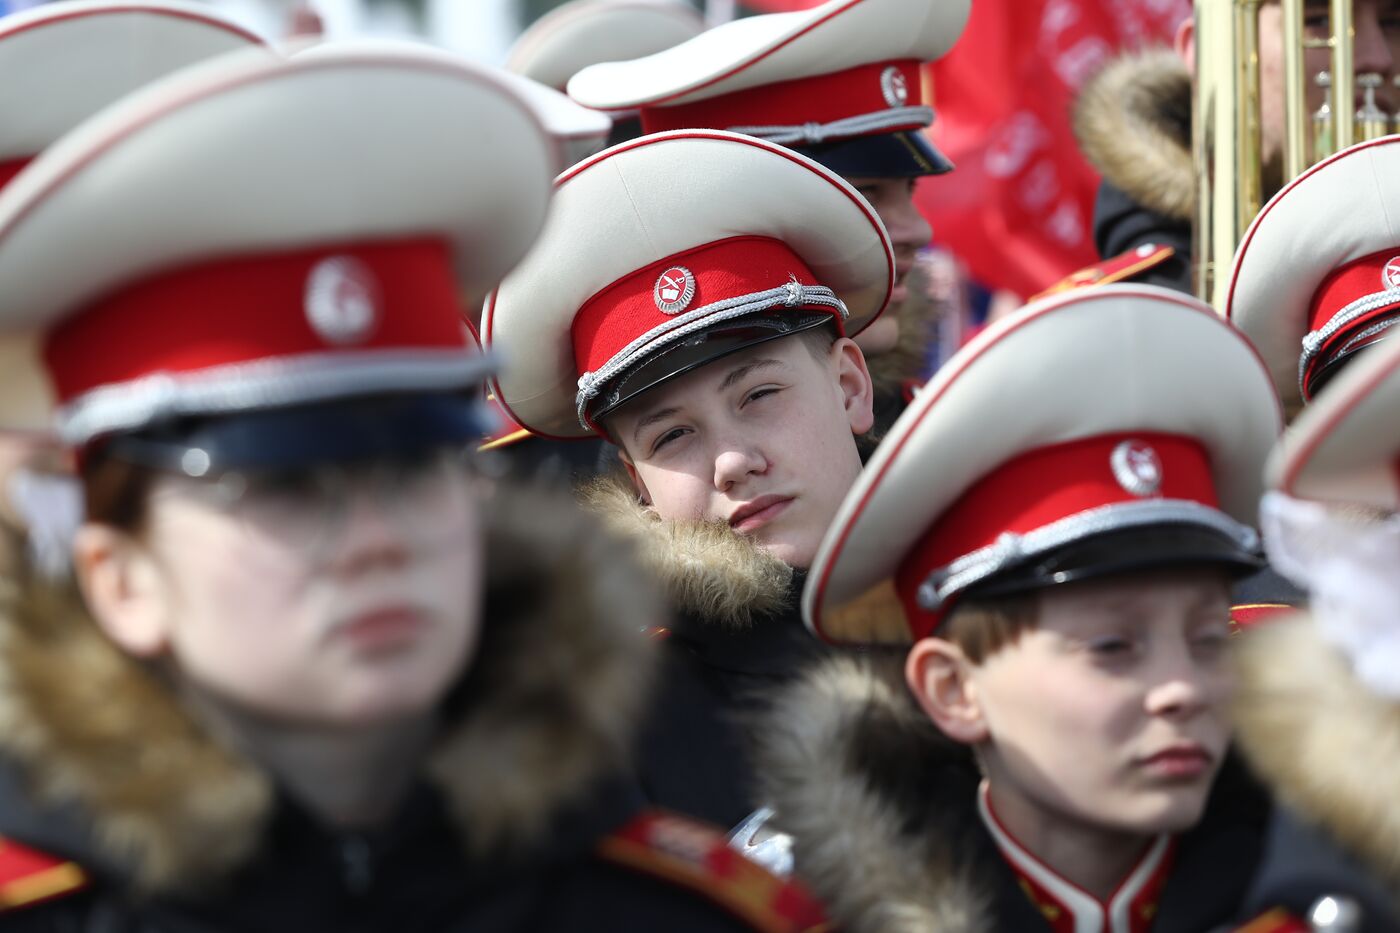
(758, 512)
(383, 628)
(1183, 760)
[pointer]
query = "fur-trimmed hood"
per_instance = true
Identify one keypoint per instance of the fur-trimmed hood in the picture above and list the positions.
(851, 773)
(546, 709)
(1329, 747)
(706, 570)
(1133, 123)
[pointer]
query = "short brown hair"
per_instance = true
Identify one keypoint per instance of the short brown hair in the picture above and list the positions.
(818, 341)
(982, 627)
(115, 492)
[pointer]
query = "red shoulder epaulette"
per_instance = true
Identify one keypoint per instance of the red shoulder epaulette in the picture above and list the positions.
(1251, 614)
(1116, 269)
(697, 857)
(1275, 921)
(28, 876)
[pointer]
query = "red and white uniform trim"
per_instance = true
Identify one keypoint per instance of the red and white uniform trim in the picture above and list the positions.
(880, 97)
(1068, 908)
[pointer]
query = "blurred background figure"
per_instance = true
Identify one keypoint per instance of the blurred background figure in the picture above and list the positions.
(60, 64)
(321, 674)
(580, 33)
(559, 44)
(1318, 708)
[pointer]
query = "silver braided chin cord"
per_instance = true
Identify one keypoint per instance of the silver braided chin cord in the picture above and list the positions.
(810, 134)
(792, 294)
(1313, 342)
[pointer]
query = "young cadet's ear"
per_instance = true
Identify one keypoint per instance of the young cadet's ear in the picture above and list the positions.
(939, 675)
(124, 589)
(637, 482)
(857, 391)
(1184, 44)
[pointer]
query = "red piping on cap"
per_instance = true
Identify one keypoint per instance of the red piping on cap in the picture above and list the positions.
(1042, 486)
(12, 167)
(818, 99)
(1278, 198)
(164, 12)
(1299, 459)
(271, 72)
(545, 28)
(746, 64)
(253, 308)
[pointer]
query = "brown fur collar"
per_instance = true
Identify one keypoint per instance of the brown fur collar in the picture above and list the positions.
(706, 570)
(1133, 122)
(849, 766)
(549, 704)
(1329, 747)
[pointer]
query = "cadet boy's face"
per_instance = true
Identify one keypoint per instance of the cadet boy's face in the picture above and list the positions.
(1109, 712)
(289, 610)
(762, 440)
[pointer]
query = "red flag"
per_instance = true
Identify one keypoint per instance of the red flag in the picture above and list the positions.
(1019, 208)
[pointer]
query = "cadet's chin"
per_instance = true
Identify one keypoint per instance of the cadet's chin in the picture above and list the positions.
(1168, 810)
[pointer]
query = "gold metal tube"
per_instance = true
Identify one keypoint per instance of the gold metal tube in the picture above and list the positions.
(1371, 121)
(1297, 125)
(1343, 74)
(1250, 156)
(1225, 137)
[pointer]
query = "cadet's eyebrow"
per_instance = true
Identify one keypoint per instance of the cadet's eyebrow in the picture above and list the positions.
(651, 419)
(744, 370)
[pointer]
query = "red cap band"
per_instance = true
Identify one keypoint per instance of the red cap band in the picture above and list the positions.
(819, 99)
(632, 306)
(13, 167)
(357, 297)
(1043, 486)
(1360, 278)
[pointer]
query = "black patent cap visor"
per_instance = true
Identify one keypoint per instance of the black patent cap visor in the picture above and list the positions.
(701, 349)
(347, 430)
(1154, 547)
(887, 155)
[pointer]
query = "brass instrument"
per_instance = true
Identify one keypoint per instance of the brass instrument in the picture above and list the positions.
(1226, 141)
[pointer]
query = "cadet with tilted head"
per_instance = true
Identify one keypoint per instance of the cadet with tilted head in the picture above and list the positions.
(693, 299)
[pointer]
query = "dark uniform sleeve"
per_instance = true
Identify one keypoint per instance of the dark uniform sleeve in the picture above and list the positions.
(1302, 868)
